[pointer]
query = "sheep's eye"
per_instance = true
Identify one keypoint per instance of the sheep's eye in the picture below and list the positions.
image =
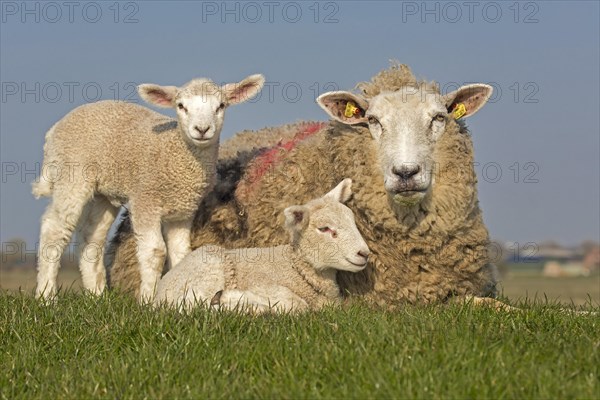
(181, 107)
(439, 118)
(221, 106)
(372, 120)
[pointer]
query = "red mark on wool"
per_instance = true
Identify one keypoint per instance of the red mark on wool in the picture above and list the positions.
(271, 157)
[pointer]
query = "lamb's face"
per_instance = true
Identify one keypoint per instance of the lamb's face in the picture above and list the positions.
(200, 104)
(200, 113)
(339, 243)
(406, 125)
(325, 232)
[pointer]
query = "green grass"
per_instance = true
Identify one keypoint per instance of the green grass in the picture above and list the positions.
(109, 347)
(571, 290)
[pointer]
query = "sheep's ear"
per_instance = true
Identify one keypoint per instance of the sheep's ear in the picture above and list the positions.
(467, 100)
(342, 192)
(296, 217)
(344, 107)
(161, 96)
(244, 90)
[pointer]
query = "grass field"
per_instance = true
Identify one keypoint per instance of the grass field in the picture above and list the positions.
(572, 290)
(110, 347)
(515, 286)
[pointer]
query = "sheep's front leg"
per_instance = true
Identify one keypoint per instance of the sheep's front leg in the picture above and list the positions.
(177, 234)
(487, 302)
(151, 251)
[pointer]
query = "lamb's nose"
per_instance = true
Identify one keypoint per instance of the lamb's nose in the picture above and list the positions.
(406, 171)
(201, 131)
(364, 254)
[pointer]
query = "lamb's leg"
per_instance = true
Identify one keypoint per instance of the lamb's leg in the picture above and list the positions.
(177, 234)
(93, 229)
(58, 223)
(234, 299)
(258, 300)
(151, 251)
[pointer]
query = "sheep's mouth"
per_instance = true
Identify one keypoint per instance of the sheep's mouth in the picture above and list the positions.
(408, 197)
(406, 189)
(410, 192)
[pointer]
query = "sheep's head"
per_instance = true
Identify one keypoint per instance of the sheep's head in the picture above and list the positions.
(201, 103)
(406, 124)
(325, 232)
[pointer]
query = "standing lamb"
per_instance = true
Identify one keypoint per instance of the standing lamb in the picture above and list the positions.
(296, 276)
(407, 149)
(103, 155)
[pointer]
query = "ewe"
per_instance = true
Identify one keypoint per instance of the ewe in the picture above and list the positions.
(300, 275)
(117, 153)
(408, 151)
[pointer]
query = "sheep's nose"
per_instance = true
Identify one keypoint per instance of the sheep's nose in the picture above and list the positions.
(201, 131)
(363, 253)
(406, 171)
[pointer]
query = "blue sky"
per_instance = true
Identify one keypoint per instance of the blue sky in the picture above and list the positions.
(542, 58)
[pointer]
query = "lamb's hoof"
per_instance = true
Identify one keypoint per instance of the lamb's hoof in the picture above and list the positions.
(47, 297)
(216, 300)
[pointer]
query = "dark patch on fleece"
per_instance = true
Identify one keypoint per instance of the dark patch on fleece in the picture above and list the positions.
(165, 127)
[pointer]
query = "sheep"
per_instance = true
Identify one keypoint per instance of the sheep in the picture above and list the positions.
(117, 153)
(409, 153)
(297, 276)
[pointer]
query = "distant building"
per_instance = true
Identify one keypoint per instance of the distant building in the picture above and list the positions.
(547, 258)
(591, 260)
(582, 261)
(555, 269)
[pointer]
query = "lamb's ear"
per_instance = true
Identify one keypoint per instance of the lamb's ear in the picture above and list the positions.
(296, 218)
(344, 107)
(467, 100)
(342, 192)
(244, 90)
(161, 96)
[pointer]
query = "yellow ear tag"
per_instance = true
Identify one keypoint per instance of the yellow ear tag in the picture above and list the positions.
(351, 110)
(459, 111)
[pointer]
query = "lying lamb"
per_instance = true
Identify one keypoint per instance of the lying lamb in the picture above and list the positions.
(297, 276)
(117, 152)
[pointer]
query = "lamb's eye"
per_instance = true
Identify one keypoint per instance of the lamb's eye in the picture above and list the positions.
(181, 107)
(439, 118)
(221, 106)
(372, 120)
(326, 229)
